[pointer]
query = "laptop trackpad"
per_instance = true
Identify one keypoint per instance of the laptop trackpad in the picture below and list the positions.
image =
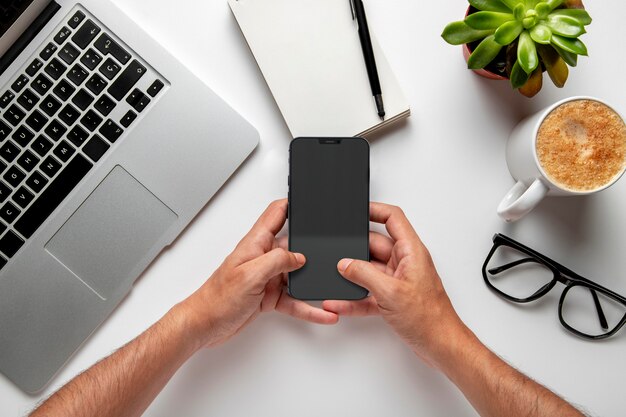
(110, 234)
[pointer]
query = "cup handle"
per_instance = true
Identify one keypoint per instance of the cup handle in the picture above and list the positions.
(520, 200)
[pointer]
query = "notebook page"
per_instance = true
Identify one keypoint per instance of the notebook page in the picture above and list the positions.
(310, 55)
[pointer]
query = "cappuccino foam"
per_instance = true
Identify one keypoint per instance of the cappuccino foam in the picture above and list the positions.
(581, 145)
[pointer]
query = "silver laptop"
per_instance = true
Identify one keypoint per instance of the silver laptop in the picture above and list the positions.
(108, 149)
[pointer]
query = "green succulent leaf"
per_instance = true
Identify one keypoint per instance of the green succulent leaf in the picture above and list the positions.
(529, 22)
(487, 20)
(484, 53)
(533, 85)
(490, 5)
(575, 46)
(570, 58)
(530, 4)
(541, 34)
(508, 32)
(518, 76)
(511, 4)
(527, 53)
(543, 10)
(553, 4)
(519, 12)
(555, 65)
(579, 14)
(458, 33)
(566, 26)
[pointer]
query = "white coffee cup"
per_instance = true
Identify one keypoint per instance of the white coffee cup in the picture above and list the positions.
(532, 182)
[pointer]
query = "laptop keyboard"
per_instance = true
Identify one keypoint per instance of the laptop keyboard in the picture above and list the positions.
(73, 100)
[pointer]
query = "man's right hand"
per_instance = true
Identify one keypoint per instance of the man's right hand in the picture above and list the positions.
(404, 287)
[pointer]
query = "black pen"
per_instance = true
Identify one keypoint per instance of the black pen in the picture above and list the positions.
(358, 13)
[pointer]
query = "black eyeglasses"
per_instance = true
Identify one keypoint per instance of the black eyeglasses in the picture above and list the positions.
(520, 274)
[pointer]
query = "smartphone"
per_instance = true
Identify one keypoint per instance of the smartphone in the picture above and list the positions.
(328, 214)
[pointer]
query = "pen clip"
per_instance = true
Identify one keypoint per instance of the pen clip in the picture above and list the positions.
(352, 9)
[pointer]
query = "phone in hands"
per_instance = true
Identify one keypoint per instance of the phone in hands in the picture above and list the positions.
(328, 214)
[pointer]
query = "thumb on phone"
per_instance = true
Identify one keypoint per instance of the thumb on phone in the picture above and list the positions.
(365, 274)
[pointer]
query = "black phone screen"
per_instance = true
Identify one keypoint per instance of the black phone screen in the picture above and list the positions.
(328, 214)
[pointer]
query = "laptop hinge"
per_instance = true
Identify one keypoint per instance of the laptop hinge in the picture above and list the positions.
(29, 34)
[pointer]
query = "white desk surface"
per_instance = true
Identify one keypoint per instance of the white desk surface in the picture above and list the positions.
(446, 168)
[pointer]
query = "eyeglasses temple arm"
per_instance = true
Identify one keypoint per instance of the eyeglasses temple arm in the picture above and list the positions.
(601, 315)
(505, 267)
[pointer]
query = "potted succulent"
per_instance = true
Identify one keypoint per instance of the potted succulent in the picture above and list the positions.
(520, 39)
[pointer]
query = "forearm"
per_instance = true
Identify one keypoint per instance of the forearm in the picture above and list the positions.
(127, 382)
(492, 386)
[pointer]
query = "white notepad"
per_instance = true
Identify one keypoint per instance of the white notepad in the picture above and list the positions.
(310, 55)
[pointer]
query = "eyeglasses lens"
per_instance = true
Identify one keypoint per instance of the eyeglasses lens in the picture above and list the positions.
(583, 309)
(517, 274)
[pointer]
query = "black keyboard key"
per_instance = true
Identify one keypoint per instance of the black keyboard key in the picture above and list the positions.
(23, 136)
(85, 34)
(6, 99)
(50, 166)
(68, 53)
(20, 83)
(64, 151)
(91, 59)
(36, 182)
(34, 67)
(139, 101)
(3, 227)
(155, 88)
(9, 151)
(3, 166)
(96, 84)
(28, 161)
(55, 69)
(134, 97)
(55, 130)
(3, 261)
(95, 148)
(63, 34)
(56, 192)
(28, 99)
(50, 105)
(106, 45)
(111, 131)
(23, 197)
(5, 191)
(41, 84)
(91, 120)
(77, 136)
(4, 130)
(9, 212)
(14, 115)
(76, 19)
(77, 74)
(14, 176)
(48, 51)
(10, 244)
(83, 99)
(128, 118)
(36, 120)
(127, 80)
(105, 105)
(110, 69)
(69, 114)
(41, 145)
(64, 90)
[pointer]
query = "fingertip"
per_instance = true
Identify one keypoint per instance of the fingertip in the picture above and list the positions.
(300, 258)
(344, 264)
